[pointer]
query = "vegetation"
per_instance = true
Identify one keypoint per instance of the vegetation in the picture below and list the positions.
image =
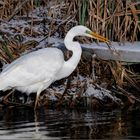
(116, 19)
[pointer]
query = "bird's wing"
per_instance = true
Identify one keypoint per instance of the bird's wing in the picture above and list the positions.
(33, 68)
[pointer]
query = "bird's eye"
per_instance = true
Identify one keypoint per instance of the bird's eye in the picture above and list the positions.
(87, 32)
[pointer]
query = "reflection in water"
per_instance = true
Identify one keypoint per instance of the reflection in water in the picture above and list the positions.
(24, 123)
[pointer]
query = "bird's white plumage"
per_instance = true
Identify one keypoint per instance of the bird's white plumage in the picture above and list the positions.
(35, 71)
(31, 70)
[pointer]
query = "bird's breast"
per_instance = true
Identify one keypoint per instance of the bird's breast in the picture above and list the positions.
(29, 89)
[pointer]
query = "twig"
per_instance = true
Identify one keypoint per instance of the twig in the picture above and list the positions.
(55, 29)
(17, 9)
(128, 94)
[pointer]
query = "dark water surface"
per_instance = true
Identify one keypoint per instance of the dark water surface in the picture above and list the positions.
(24, 123)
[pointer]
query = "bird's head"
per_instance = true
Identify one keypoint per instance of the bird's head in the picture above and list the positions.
(81, 30)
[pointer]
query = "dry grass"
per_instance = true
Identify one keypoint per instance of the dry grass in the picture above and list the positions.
(9, 8)
(116, 19)
(116, 73)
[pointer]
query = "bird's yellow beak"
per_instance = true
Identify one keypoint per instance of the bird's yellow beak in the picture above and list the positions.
(99, 37)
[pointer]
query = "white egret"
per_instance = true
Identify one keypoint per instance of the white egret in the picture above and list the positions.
(35, 71)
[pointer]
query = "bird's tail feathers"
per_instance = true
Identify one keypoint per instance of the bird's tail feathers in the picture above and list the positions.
(3, 85)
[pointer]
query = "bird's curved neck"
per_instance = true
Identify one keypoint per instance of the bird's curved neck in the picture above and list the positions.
(70, 65)
(75, 48)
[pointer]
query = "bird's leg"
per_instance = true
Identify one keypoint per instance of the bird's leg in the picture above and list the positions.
(5, 97)
(37, 96)
(65, 91)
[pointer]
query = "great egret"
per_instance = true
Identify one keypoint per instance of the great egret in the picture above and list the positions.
(35, 71)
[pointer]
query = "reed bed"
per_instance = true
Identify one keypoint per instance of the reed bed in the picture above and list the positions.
(116, 19)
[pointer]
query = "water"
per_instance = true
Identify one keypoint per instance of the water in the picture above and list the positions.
(24, 123)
